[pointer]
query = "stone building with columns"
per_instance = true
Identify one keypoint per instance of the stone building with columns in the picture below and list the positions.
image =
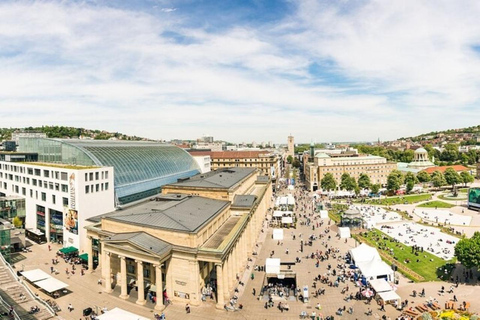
(198, 233)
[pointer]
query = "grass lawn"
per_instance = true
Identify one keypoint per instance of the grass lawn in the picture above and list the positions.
(429, 267)
(408, 199)
(436, 204)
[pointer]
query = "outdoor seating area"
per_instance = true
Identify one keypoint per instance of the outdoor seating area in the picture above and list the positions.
(46, 282)
(444, 217)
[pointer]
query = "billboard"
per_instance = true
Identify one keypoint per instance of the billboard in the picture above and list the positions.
(71, 221)
(474, 198)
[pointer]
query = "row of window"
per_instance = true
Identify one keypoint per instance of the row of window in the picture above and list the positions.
(26, 180)
(96, 188)
(89, 176)
(33, 193)
(35, 171)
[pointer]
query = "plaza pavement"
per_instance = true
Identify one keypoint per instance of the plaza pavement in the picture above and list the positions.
(85, 292)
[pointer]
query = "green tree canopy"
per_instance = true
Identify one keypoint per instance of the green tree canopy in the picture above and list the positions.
(290, 159)
(375, 188)
(347, 182)
(423, 176)
(467, 251)
(394, 180)
(466, 177)
(452, 177)
(296, 163)
(438, 179)
(328, 182)
(364, 181)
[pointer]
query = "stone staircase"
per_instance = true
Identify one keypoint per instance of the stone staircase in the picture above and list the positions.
(16, 295)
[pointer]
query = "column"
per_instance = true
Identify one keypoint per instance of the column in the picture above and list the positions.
(235, 263)
(123, 277)
(220, 298)
(225, 280)
(47, 224)
(159, 284)
(140, 283)
(108, 275)
(90, 254)
(229, 274)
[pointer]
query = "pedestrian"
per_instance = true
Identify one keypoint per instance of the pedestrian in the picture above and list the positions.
(254, 291)
(70, 307)
(49, 248)
(187, 308)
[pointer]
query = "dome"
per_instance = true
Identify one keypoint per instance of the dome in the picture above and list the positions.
(421, 150)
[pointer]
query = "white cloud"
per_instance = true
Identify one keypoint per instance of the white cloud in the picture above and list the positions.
(148, 75)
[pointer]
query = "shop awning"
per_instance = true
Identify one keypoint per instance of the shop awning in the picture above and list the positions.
(68, 250)
(84, 257)
(389, 296)
(35, 275)
(51, 285)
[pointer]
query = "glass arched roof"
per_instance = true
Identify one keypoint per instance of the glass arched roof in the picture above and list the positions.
(140, 168)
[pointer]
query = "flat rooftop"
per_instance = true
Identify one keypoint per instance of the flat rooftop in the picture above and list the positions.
(183, 213)
(60, 165)
(224, 178)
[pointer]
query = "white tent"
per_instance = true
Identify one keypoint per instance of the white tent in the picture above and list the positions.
(323, 214)
(375, 269)
(370, 224)
(287, 220)
(380, 285)
(35, 275)
(290, 199)
(118, 313)
(272, 265)
(51, 284)
(389, 295)
(277, 234)
(290, 187)
(277, 214)
(344, 232)
(364, 253)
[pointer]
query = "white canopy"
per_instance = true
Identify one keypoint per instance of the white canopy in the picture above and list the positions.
(272, 265)
(290, 187)
(364, 253)
(51, 284)
(380, 285)
(375, 269)
(344, 232)
(118, 313)
(389, 295)
(370, 224)
(277, 234)
(35, 275)
(278, 213)
(323, 214)
(287, 220)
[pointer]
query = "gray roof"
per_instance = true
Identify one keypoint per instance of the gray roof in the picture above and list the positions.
(185, 213)
(224, 178)
(263, 179)
(244, 201)
(142, 240)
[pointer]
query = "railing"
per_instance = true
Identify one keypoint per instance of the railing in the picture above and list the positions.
(32, 295)
(9, 307)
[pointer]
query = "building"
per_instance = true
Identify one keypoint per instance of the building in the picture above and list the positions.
(17, 135)
(204, 162)
(75, 180)
(198, 232)
(458, 168)
(290, 146)
(377, 168)
(267, 162)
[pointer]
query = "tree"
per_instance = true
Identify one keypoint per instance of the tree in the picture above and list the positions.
(17, 222)
(438, 179)
(347, 182)
(364, 181)
(452, 177)
(423, 176)
(394, 180)
(328, 182)
(450, 153)
(466, 177)
(410, 185)
(375, 188)
(467, 251)
(410, 177)
(296, 163)
(290, 159)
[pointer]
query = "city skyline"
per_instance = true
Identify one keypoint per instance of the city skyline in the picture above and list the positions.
(241, 70)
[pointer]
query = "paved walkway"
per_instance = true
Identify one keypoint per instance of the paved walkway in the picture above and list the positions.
(85, 292)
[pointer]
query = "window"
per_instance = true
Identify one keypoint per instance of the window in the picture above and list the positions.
(64, 176)
(97, 187)
(31, 193)
(87, 189)
(91, 176)
(106, 185)
(103, 175)
(86, 176)
(96, 175)
(16, 189)
(64, 188)
(102, 186)
(50, 185)
(106, 174)
(65, 202)
(54, 199)
(46, 173)
(24, 191)
(34, 182)
(44, 196)
(57, 186)
(36, 195)
(37, 172)
(30, 171)
(57, 175)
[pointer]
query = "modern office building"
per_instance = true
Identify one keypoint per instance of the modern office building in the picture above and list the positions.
(377, 168)
(74, 180)
(190, 241)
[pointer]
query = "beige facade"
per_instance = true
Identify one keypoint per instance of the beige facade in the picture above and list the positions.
(377, 168)
(184, 262)
(290, 146)
(268, 163)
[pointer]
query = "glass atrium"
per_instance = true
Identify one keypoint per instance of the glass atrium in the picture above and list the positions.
(140, 168)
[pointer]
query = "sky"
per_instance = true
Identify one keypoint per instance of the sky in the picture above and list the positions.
(242, 71)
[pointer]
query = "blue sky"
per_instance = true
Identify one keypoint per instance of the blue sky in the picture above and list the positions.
(241, 70)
